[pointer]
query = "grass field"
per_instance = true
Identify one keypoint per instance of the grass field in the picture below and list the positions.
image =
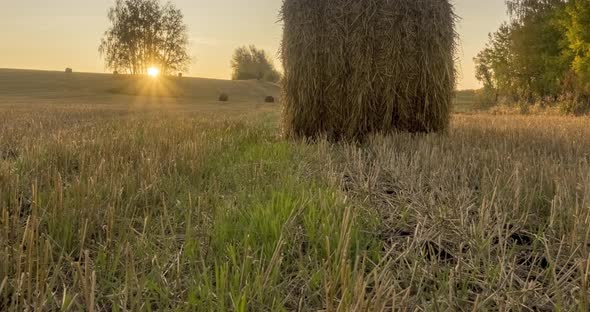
(115, 197)
(466, 101)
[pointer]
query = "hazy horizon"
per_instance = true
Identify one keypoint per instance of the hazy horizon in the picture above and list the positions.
(66, 33)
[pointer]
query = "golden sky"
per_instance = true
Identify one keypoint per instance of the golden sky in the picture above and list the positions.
(55, 34)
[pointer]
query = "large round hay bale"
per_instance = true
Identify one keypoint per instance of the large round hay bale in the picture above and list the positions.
(357, 67)
(223, 97)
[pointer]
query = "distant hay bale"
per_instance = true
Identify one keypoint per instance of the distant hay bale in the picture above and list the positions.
(223, 97)
(179, 75)
(115, 73)
(358, 67)
(269, 99)
(69, 70)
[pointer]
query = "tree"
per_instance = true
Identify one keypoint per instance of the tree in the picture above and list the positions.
(252, 63)
(495, 66)
(144, 34)
(524, 59)
(521, 10)
(543, 53)
(577, 27)
(538, 48)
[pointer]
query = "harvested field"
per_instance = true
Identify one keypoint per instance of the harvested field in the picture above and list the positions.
(130, 205)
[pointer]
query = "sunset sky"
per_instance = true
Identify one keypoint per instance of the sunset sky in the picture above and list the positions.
(42, 34)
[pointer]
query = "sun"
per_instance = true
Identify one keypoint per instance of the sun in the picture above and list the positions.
(153, 72)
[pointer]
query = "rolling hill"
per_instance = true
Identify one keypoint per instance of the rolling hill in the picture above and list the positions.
(58, 87)
(19, 86)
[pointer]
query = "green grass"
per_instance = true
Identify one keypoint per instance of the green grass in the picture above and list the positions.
(172, 212)
(157, 206)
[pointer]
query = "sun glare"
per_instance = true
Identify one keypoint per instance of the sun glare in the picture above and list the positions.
(153, 72)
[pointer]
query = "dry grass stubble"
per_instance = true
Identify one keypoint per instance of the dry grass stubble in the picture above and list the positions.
(493, 216)
(118, 207)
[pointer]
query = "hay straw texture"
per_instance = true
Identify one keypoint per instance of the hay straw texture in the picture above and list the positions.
(355, 67)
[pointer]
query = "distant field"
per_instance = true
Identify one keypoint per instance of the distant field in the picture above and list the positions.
(18, 86)
(465, 101)
(119, 195)
(46, 87)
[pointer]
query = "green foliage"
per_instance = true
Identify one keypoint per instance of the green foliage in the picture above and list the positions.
(145, 33)
(542, 54)
(523, 59)
(253, 63)
(494, 65)
(577, 25)
(537, 46)
(520, 10)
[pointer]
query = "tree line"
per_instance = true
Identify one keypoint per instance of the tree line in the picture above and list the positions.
(540, 56)
(147, 34)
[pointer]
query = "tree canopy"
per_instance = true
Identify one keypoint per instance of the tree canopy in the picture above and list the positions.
(578, 39)
(541, 54)
(144, 34)
(253, 63)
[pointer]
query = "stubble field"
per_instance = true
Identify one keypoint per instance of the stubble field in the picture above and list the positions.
(116, 200)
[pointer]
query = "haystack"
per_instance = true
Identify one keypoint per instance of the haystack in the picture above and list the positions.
(223, 97)
(355, 67)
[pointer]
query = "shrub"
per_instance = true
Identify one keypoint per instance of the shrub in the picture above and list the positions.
(69, 70)
(574, 104)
